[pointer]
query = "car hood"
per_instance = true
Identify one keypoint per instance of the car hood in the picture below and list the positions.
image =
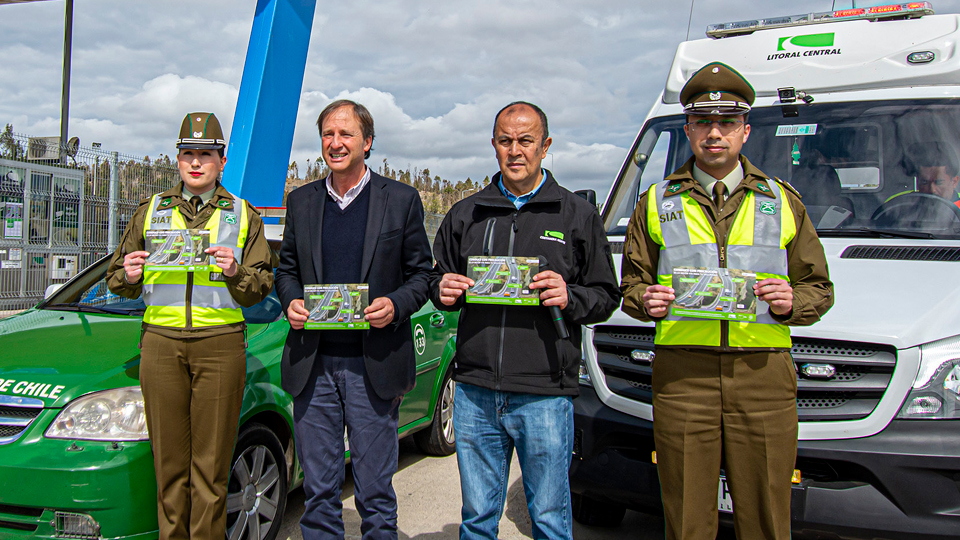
(55, 356)
(903, 303)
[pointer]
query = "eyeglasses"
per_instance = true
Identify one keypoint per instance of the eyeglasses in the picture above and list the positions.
(725, 125)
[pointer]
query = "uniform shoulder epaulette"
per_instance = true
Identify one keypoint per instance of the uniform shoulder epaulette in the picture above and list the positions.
(789, 188)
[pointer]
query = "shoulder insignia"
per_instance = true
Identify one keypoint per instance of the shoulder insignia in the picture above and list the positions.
(786, 185)
(223, 203)
(166, 202)
(762, 186)
(673, 188)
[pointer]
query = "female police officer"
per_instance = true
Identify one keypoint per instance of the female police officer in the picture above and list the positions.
(193, 361)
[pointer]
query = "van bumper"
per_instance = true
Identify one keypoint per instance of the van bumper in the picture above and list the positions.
(903, 483)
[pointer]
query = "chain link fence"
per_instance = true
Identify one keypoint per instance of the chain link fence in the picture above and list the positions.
(64, 207)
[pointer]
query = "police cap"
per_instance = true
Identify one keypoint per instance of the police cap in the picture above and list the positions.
(201, 131)
(717, 88)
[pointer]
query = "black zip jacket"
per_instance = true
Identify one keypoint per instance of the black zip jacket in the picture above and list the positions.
(517, 348)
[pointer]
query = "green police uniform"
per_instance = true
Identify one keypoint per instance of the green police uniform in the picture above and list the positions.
(193, 358)
(725, 389)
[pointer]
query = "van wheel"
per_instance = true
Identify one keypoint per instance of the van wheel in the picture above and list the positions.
(439, 439)
(593, 512)
(257, 491)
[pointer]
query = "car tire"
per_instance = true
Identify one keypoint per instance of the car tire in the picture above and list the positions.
(258, 486)
(439, 439)
(593, 512)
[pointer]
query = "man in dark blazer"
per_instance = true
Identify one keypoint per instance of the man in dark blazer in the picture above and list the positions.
(354, 227)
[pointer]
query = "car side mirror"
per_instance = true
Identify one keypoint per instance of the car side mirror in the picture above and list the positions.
(51, 289)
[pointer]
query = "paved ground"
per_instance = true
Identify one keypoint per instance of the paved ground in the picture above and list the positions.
(428, 493)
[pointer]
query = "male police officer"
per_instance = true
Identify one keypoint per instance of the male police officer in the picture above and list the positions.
(722, 386)
(193, 359)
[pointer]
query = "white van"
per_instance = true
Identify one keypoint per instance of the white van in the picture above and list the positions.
(849, 105)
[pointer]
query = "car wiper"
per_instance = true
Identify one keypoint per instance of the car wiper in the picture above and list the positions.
(85, 308)
(875, 233)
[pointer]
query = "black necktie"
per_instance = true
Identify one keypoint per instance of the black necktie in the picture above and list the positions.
(197, 202)
(718, 189)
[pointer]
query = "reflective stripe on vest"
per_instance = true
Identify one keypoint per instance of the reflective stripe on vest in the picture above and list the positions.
(211, 304)
(756, 242)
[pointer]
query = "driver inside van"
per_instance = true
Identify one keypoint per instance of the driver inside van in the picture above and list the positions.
(935, 170)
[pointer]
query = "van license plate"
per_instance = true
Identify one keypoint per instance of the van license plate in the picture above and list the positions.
(724, 502)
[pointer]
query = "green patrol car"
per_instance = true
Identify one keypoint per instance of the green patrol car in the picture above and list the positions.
(75, 459)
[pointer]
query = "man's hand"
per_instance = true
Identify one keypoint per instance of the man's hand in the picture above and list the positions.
(452, 287)
(776, 292)
(656, 300)
(223, 256)
(296, 314)
(133, 265)
(555, 288)
(380, 312)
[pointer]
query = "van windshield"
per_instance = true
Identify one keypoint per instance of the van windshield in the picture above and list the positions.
(879, 168)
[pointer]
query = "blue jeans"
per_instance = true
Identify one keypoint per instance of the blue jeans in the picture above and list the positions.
(489, 425)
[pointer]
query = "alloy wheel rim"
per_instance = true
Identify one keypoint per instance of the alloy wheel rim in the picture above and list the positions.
(446, 412)
(251, 509)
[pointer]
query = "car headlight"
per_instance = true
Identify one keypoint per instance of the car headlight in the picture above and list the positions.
(584, 374)
(110, 415)
(936, 391)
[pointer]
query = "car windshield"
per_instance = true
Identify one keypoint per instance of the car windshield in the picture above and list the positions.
(885, 169)
(88, 293)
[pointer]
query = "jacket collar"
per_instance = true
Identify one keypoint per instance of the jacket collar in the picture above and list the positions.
(753, 179)
(492, 196)
(174, 197)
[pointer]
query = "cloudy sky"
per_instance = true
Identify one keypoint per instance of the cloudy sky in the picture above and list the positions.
(432, 72)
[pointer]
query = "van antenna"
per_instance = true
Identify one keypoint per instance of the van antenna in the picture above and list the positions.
(690, 19)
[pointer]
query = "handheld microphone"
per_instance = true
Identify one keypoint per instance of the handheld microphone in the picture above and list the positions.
(558, 323)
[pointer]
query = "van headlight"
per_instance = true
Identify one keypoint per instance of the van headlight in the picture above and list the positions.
(110, 415)
(936, 391)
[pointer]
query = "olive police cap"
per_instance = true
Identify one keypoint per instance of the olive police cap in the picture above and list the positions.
(201, 131)
(717, 88)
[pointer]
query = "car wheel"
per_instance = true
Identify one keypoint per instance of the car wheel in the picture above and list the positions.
(439, 439)
(257, 491)
(593, 512)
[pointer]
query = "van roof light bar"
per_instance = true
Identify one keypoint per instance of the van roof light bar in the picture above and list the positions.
(908, 10)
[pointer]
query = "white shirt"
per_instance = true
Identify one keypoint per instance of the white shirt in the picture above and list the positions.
(731, 180)
(351, 193)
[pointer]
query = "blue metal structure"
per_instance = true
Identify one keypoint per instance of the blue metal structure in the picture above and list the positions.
(262, 134)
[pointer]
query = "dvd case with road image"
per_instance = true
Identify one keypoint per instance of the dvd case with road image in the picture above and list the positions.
(336, 306)
(714, 293)
(177, 250)
(503, 280)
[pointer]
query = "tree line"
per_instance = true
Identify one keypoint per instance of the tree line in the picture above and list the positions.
(438, 194)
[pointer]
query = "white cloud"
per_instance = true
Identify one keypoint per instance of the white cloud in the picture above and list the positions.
(433, 72)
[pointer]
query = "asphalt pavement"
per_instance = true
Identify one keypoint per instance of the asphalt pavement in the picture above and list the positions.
(428, 498)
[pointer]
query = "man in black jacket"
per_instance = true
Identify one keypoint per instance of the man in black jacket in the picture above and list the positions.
(517, 376)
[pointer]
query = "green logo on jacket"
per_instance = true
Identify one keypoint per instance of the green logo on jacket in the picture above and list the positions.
(768, 207)
(555, 234)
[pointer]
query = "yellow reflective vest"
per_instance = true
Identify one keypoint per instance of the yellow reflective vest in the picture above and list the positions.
(756, 242)
(200, 298)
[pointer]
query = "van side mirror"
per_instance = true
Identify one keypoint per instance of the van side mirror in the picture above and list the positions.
(588, 194)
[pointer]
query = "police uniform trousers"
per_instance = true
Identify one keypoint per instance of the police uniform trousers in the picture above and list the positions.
(741, 406)
(192, 389)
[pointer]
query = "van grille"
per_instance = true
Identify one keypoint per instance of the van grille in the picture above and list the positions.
(16, 415)
(863, 372)
(902, 253)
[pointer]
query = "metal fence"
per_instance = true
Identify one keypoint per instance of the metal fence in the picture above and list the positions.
(63, 208)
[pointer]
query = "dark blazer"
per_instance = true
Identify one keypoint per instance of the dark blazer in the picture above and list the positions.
(396, 263)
